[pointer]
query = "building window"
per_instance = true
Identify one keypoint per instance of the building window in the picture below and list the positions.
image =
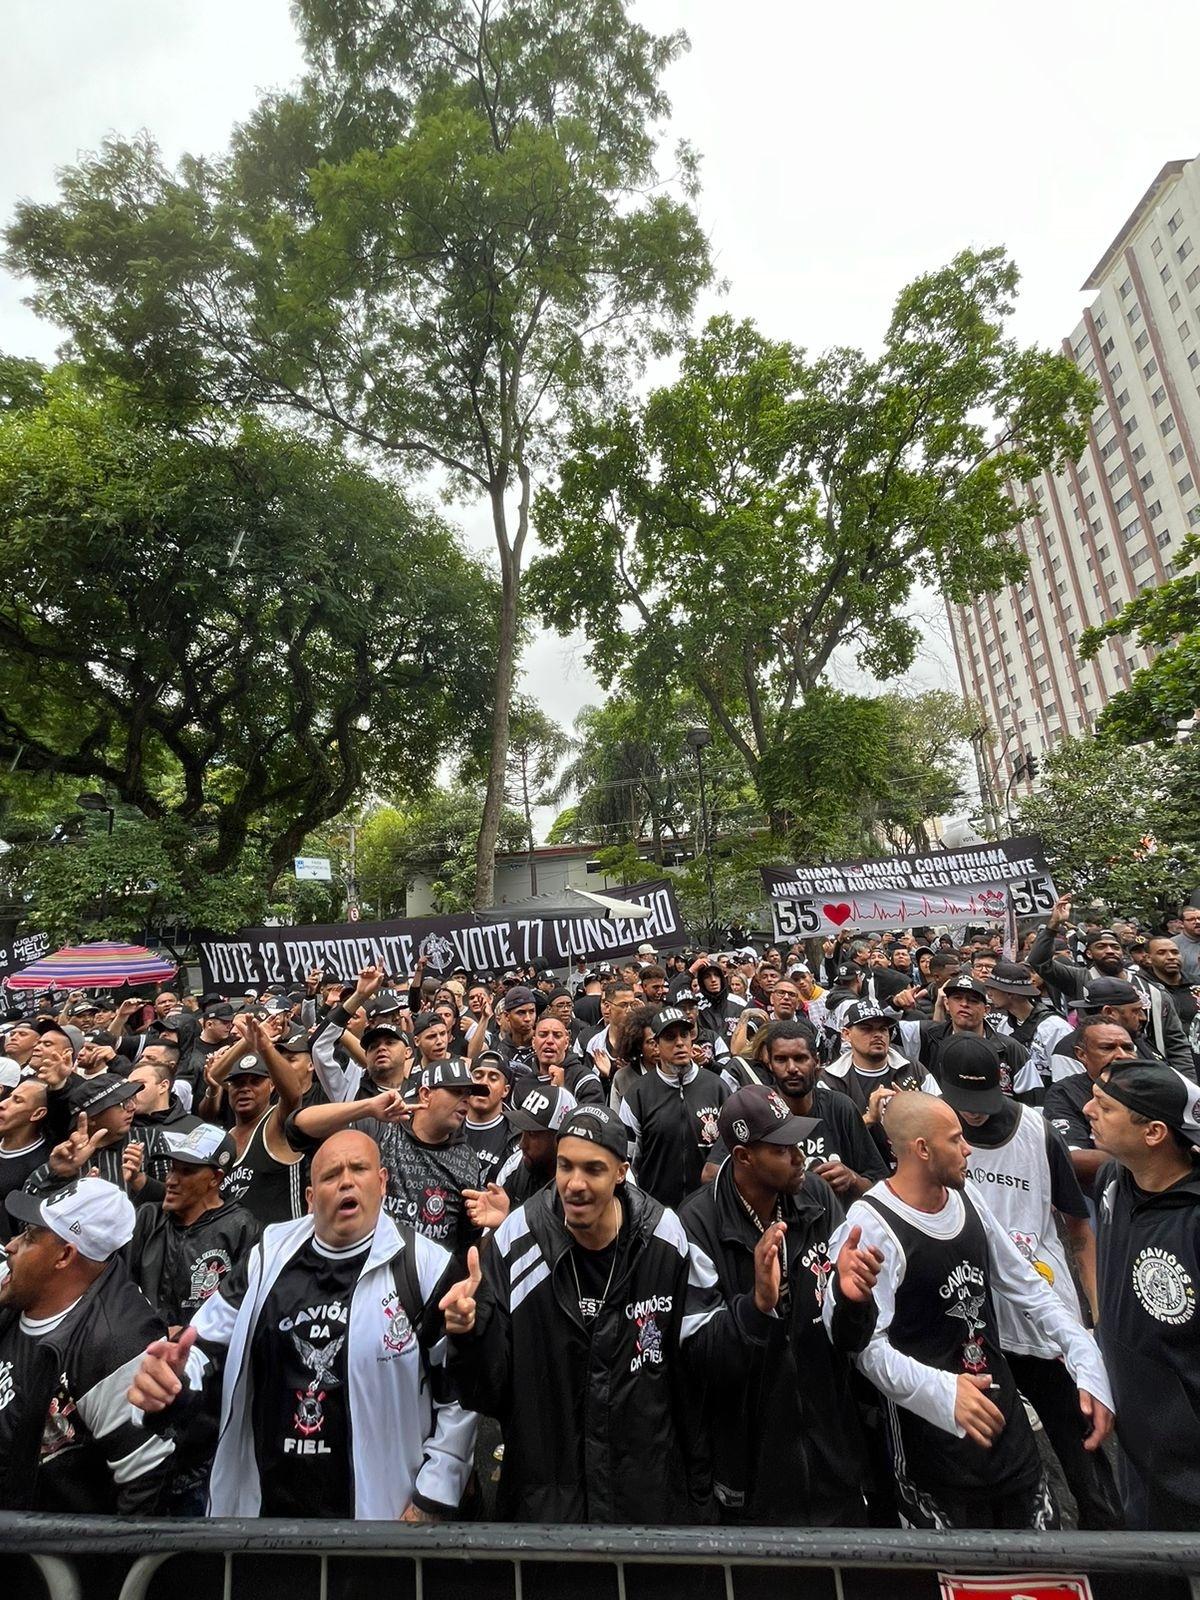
(1159, 395)
(1164, 538)
(1175, 223)
(1114, 371)
(1169, 426)
(1029, 615)
(1184, 251)
(1118, 471)
(1150, 368)
(1183, 330)
(1165, 274)
(1131, 425)
(1154, 509)
(1174, 303)
(1091, 500)
(1123, 399)
(1194, 360)
(1133, 314)
(1176, 455)
(1085, 473)
(1146, 480)
(1185, 485)
(1139, 557)
(1142, 340)
(1126, 288)
(1193, 516)
(1125, 501)
(1106, 349)
(1156, 247)
(1138, 452)
(1192, 279)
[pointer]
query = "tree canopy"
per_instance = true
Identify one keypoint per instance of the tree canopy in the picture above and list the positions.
(450, 228)
(767, 508)
(230, 629)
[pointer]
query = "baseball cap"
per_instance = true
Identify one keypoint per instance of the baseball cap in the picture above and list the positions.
(250, 1066)
(668, 1017)
(685, 997)
(425, 1020)
(598, 1125)
(492, 1058)
(293, 1042)
(758, 1115)
(1100, 933)
(385, 1028)
(44, 1025)
(10, 1073)
(867, 1011)
(385, 1004)
(520, 996)
(964, 983)
(221, 1012)
(1012, 977)
(1157, 1091)
(538, 1107)
(1107, 992)
(645, 949)
(846, 972)
(101, 1093)
(90, 1214)
(970, 1075)
(451, 1074)
(205, 1145)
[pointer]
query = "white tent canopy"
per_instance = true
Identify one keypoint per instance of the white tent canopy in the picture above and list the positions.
(625, 910)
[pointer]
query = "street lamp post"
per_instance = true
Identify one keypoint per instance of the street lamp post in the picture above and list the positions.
(699, 739)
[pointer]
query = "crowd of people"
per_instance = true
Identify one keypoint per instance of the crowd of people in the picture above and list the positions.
(898, 1229)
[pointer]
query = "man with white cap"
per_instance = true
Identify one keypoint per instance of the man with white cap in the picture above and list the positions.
(73, 1326)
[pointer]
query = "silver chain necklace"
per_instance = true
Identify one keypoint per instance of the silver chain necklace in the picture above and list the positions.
(579, 1295)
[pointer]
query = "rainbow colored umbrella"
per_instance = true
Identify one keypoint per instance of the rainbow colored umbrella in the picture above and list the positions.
(94, 966)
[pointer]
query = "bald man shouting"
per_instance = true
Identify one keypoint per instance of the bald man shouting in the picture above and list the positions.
(962, 1447)
(324, 1351)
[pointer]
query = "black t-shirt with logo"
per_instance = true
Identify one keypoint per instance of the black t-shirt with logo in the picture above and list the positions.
(491, 1142)
(299, 1367)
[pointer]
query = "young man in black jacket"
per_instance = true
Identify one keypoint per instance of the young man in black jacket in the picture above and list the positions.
(671, 1113)
(1147, 1118)
(569, 1335)
(72, 1329)
(787, 1442)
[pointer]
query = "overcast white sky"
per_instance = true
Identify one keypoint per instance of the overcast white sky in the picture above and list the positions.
(845, 148)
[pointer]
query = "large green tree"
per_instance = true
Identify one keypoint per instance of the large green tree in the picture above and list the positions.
(228, 628)
(1121, 826)
(451, 228)
(767, 508)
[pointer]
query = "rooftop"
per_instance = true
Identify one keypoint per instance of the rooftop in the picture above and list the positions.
(1166, 176)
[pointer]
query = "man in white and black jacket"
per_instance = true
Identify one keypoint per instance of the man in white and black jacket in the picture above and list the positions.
(569, 1335)
(72, 1329)
(327, 1349)
(1146, 1117)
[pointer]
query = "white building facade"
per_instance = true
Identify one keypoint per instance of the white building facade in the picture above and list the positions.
(1113, 522)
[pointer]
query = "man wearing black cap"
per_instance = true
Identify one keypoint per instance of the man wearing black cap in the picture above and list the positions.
(964, 1000)
(180, 1252)
(671, 1113)
(486, 1129)
(1020, 1168)
(72, 1327)
(517, 1017)
(1096, 1043)
(1019, 1010)
(535, 1113)
(788, 1444)
(870, 1068)
(1147, 1119)
(424, 1150)
(569, 1335)
(964, 1453)
(102, 1108)
(1105, 957)
(1119, 1001)
(268, 1177)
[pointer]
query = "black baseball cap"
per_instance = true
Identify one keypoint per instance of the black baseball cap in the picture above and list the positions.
(293, 1042)
(1100, 933)
(970, 1075)
(758, 1115)
(520, 996)
(250, 1066)
(537, 1107)
(221, 1012)
(964, 983)
(598, 1125)
(1012, 977)
(846, 972)
(493, 1058)
(860, 1011)
(425, 1020)
(451, 1074)
(383, 1029)
(1107, 992)
(100, 1093)
(669, 1017)
(1157, 1091)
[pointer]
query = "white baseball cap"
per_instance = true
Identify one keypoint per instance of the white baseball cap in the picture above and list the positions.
(90, 1214)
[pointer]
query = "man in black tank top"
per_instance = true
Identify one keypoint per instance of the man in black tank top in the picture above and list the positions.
(963, 1450)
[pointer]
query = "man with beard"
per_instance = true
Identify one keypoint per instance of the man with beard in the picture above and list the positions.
(963, 1448)
(603, 1048)
(671, 1113)
(838, 1147)
(325, 1348)
(182, 1250)
(569, 1335)
(789, 1447)
(518, 1014)
(1125, 1004)
(1098, 1044)
(870, 1069)
(1166, 970)
(424, 1151)
(1105, 956)
(1020, 1011)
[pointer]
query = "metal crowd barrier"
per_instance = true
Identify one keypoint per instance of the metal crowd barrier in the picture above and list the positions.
(102, 1558)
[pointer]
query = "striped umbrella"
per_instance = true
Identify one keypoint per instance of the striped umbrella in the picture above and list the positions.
(94, 966)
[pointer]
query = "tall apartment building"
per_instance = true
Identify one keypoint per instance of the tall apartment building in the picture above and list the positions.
(1112, 523)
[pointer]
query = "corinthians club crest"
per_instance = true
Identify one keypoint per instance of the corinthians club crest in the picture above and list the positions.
(437, 950)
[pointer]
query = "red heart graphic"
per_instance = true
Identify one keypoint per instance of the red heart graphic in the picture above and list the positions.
(838, 914)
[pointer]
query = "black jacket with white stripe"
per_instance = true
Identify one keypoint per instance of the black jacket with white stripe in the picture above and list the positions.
(600, 1421)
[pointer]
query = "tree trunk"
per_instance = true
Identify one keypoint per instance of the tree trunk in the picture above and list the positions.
(528, 823)
(493, 802)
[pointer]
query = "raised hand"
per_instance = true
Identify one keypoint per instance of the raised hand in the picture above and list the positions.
(487, 1208)
(72, 1155)
(159, 1379)
(458, 1303)
(369, 982)
(857, 1268)
(132, 1158)
(768, 1267)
